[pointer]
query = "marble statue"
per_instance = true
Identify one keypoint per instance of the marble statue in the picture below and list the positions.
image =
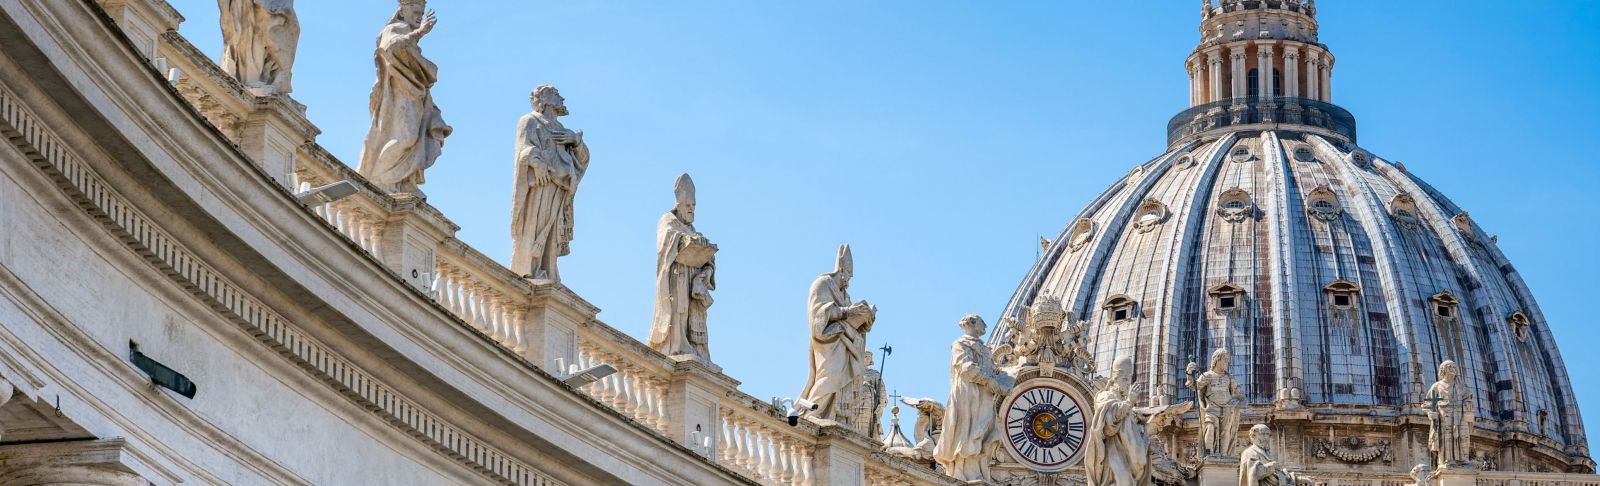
(929, 425)
(408, 130)
(1117, 452)
(258, 43)
(1219, 398)
(685, 277)
(551, 161)
(1450, 414)
(838, 339)
(1424, 475)
(1258, 467)
(970, 427)
(869, 401)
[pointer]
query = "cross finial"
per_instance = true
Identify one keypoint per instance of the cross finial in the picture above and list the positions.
(1433, 400)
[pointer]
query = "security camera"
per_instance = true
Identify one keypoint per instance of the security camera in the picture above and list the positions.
(805, 405)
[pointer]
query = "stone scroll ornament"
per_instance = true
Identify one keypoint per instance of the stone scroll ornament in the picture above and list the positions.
(551, 160)
(839, 329)
(685, 277)
(970, 433)
(258, 43)
(408, 130)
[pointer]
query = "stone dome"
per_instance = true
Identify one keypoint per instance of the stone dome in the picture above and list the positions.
(1337, 280)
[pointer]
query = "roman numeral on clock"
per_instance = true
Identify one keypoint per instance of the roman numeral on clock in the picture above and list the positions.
(1018, 439)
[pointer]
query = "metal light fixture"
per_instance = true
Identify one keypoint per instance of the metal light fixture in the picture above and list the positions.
(318, 196)
(588, 375)
(162, 375)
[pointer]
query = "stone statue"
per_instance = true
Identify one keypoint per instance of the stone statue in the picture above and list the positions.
(685, 277)
(1117, 452)
(838, 339)
(929, 425)
(1257, 466)
(1424, 475)
(1450, 412)
(258, 43)
(970, 419)
(1219, 398)
(408, 130)
(551, 161)
(869, 401)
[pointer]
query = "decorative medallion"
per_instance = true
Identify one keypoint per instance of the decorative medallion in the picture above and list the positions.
(1080, 236)
(1046, 424)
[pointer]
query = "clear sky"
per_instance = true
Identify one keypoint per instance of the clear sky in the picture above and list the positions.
(941, 139)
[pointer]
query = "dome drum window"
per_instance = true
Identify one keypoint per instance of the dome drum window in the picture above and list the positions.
(1323, 204)
(1121, 308)
(1151, 213)
(1226, 298)
(1235, 205)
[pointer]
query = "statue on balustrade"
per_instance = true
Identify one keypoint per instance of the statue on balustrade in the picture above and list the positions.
(1258, 467)
(870, 399)
(258, 43)
(408, 130)
(838, 339)
(551, 161)
(1219, 397)
(1451, 413)
(1118, 449)
(685, 277)
(971, 430)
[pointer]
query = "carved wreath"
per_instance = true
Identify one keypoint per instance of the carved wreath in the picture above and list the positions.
(1354, 449)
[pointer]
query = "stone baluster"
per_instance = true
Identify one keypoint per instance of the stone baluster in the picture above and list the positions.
(764, 448)
(747, 451)
(723, 437)
(440, 282)
(785, 460)
(518, 343)
(806, 477)
(733, 455)
(619, 402)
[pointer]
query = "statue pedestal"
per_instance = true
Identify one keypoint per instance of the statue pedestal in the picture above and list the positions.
(272, 134)
(1457, 476)
(1218, 471)
(841, 454)
(410, 240)
(550, 328)
(694, 408)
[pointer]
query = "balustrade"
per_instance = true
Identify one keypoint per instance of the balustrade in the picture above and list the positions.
(760, 444)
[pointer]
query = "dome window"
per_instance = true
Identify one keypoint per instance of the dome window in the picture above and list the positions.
(1235, 205)
(1185, 162)
(1444, 305)
(1519, 325)
(1404, 211)
(1120, 308)
(1241, 154)
(1342, 294)
(1150, 214)
(1360, 159)
(1324, 204)
(1304, 154)
(1226, 298)
(1082, 233)
(1463, 223)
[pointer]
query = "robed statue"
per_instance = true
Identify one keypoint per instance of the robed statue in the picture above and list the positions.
(1219, 398)
(838, 340)
(1258, 467)
(685, 277)
(258, 43)
(971, 425)
(551, 161)
(1117, 451)
(408, 130)
(1451, 413)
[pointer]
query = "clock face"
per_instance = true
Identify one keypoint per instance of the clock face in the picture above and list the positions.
(1046, 423)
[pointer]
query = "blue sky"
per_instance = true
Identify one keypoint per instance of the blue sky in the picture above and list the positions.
(942, 138)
